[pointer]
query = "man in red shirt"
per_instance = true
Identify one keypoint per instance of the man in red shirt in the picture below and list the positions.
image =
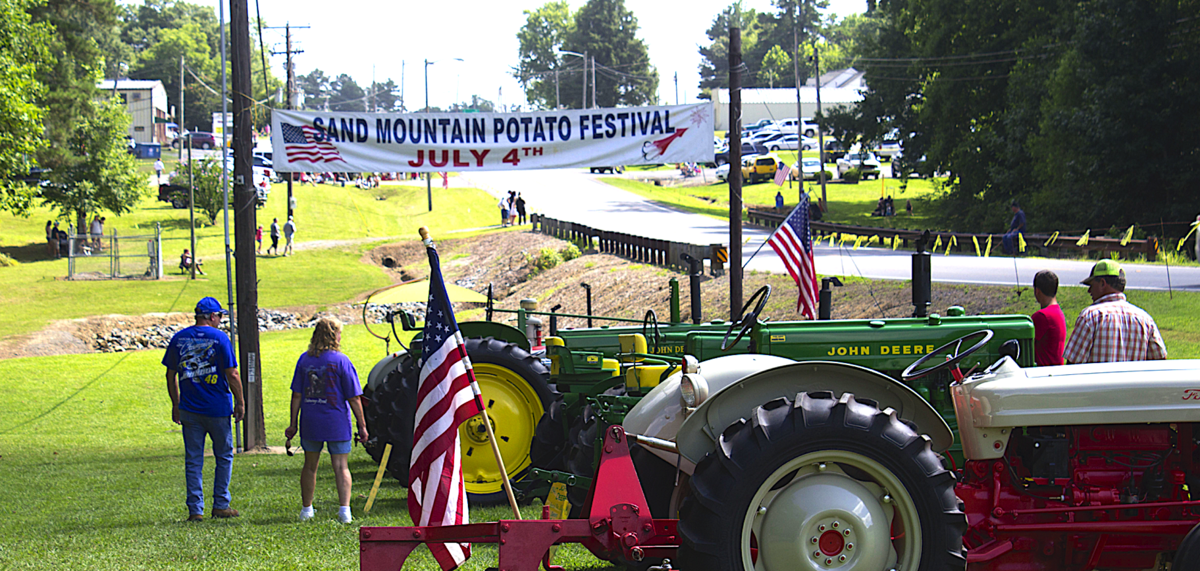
(1049, 325)
(1112, 329)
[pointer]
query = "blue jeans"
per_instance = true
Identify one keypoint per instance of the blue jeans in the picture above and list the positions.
(1008, 243)
(195, 428)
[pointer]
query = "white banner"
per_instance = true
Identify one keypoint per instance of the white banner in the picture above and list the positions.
(331, 141)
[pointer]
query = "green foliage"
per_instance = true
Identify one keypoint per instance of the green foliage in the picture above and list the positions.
(606, 32)
(776, 65)
(23, 55)
(206, 187)
(100, 174)
(569, 252)
(545, 259)
(852, 176)
(6, 261)
(1085, 96)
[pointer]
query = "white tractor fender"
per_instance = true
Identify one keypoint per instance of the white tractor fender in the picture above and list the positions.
(700, 432)
(381, 369)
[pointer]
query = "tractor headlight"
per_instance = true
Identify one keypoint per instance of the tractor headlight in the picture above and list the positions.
(693, 389)
(691, 364)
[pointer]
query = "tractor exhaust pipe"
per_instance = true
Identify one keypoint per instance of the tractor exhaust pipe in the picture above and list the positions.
(922, 278)
(695, 270)
(825, 309)
(588, 288)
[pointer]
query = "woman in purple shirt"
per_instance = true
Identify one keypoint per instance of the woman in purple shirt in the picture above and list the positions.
(325, 390)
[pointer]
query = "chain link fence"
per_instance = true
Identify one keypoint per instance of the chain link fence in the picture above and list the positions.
(114, 257)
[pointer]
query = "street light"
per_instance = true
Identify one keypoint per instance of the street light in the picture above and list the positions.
(585, 66)
(428, 184)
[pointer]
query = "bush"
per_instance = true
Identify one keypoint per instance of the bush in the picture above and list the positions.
(545, 259)
(852, 176)
(569, 252)
(6, 261)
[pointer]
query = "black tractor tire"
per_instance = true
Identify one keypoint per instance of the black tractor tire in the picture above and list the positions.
(550, 440)
(389, 417)
(1188, 554)
(781, 480)
(581, 455)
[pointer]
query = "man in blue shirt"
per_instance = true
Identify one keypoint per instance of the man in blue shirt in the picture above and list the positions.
(1015, 228)
(205, 390)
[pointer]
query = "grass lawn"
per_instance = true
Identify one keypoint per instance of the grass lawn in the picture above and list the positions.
(93, 475)
(35, 292)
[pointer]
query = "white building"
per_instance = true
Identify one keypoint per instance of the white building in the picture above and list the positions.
(839, 88)
(146, 101)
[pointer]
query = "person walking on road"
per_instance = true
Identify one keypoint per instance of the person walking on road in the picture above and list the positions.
(1049, 325)
(274, 237)
(289, 231)
(258, 240)
(1111, 329)
(325, 390)
(205, 391)
(158, 168)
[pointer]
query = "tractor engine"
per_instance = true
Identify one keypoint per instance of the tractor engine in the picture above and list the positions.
(1080, 497)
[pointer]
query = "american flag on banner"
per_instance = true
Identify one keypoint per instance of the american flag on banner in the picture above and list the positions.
(781, 173)
(447, 395)
(793, 242)
(306, 144)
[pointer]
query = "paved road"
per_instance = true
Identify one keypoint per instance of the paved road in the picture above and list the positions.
(576, 196)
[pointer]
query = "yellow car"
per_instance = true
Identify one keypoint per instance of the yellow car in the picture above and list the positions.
(759, 167)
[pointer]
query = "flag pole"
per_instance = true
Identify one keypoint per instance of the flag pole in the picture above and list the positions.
(512, 499)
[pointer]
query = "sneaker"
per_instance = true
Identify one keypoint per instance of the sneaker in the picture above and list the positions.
(344, 517)
(227, 512)
(306, 515)
(196, 517)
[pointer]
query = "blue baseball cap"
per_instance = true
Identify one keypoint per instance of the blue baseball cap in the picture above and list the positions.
(209, 305)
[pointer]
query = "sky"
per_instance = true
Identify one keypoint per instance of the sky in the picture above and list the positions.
(382, 40)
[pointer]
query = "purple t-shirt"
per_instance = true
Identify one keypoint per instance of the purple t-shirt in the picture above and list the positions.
(324, 383)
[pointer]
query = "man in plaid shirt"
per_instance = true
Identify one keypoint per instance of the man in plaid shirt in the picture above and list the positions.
(1112, 329)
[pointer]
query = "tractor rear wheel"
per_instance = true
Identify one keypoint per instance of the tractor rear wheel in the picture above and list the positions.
(389, 416)
(550, 439)
(516, 391)
(1188, 554)
(822, 483)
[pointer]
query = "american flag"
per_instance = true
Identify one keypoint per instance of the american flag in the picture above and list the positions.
(793, 242)
(306, 144)
(447, 395)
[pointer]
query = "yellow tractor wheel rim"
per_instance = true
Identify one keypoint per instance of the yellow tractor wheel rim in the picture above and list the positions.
(514, 410)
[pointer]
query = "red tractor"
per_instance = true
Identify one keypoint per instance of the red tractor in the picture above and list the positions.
(776, 464)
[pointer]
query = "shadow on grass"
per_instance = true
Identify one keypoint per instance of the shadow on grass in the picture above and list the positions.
(35, 252)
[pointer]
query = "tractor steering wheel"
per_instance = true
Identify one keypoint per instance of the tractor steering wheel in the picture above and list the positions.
(651, 321)
(952, 359)
(747, 321)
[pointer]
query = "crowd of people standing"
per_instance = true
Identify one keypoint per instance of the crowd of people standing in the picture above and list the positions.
(512, 209)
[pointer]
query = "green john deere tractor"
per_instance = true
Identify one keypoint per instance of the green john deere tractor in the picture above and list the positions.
(547, 409)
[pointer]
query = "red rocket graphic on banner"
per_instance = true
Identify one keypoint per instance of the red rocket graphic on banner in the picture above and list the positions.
(655, 149)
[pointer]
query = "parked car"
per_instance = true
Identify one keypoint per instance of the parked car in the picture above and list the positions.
(760, 125)
(602, 170)
(747, 150)
(201, 140)
(809, 168)
(914, 168)
(803, 126)
(791, 142)
(176, 194)
(834, 150)
(764, 135)
(865, 162)
(888, 149)
(759, 167)
(722, 172)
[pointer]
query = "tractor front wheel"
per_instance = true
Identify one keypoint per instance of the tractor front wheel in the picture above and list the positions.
(822, 483)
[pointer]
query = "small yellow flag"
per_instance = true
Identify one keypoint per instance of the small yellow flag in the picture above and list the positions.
(895, 242)
(1051, 239)
(1127, 237)
(976, 241)
(988, 251)
(937, 244)
(953, 241)
(1021, 242)
(1188, 235)
(1083, 240)
(857, 241)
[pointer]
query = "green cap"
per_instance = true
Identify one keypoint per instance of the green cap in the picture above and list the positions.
(1105, 268)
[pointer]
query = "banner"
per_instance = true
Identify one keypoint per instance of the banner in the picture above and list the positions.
(333, 141)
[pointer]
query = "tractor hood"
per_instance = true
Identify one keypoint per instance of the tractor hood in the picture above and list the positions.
(1006, 395)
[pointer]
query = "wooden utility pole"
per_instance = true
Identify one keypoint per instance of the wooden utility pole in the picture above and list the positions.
(291, 88)
(245, 220)
(735, 173)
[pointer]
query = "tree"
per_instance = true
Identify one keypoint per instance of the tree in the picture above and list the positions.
(543, 34)
(386, 96)
(23, 55)
(477, 104)
(316, 89)
(622, 75)
(714, 62)
(207, 189)
(346, 95)
(101, 173)
(606, 32)
(775, 65)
